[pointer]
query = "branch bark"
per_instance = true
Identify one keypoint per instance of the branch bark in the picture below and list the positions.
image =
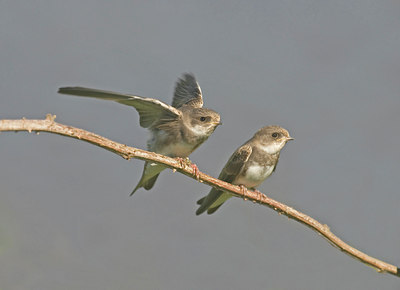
(49, 125)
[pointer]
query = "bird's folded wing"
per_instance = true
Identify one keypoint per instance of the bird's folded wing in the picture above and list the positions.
(151, 111)
(231, 170)
(236, 163)
(187, 92)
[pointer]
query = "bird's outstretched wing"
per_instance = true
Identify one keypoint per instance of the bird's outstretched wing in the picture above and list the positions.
(232, 169)
(151, 111)
(187, 92)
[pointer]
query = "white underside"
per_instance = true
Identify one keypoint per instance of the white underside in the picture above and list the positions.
(255, 175)
(181, 149)
(177, 149)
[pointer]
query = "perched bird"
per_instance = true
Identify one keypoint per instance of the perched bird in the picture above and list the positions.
(249, 165)
(176, 131)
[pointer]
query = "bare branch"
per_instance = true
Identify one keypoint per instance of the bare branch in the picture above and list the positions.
(49, 125)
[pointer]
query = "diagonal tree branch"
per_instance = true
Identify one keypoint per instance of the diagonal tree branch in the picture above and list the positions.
(49, 125)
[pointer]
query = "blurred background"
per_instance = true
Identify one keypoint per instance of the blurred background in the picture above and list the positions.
(327, 71)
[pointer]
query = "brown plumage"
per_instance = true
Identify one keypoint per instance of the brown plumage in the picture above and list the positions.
(176, 130)
(249, 165)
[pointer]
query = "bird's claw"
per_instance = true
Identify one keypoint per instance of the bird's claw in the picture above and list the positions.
(185, 162)
(196, 171)
(243, 189)
(259, 193)
(182, 162)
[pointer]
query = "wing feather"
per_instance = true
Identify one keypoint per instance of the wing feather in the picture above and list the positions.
(187, 91)
(232, 169)
(150, 110)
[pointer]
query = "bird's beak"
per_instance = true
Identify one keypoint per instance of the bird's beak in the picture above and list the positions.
(289, 138)
(218, 123)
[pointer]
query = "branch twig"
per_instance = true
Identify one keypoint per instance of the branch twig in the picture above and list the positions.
(48, 125)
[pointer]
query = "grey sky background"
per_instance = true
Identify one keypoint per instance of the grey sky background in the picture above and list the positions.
(327, 71)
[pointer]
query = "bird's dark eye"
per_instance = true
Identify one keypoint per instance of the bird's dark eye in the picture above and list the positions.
(203, 119)
(275, 135)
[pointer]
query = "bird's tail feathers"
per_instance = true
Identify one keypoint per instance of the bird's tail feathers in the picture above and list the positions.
(149, 176)
(200, 201)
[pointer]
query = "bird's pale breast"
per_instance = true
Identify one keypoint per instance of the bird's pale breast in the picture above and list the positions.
(180, 149)
(163, 143)
(254, 175)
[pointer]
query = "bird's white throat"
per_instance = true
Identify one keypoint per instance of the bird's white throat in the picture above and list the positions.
(199, 130)
(272, 148)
